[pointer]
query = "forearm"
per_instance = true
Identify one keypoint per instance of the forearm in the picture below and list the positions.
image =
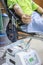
(24, 17)
(40, 10)
(18, 10)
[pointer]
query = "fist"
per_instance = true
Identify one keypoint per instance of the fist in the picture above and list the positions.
(26, 19)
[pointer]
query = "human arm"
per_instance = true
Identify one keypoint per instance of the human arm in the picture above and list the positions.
(37, 7)
(24, 17)
(40, 10)
(18, 10)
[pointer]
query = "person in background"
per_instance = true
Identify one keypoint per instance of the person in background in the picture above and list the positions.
(30, 13)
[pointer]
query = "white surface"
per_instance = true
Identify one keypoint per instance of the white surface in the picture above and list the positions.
(23, 58)
(5, 64)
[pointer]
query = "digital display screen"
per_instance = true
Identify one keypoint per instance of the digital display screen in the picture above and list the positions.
(31, 59)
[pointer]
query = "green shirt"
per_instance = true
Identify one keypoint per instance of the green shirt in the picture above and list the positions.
(28, 6)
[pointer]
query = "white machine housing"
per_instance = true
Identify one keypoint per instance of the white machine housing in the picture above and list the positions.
(21, 57)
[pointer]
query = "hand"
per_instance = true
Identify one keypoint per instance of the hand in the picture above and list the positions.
(26, 18)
